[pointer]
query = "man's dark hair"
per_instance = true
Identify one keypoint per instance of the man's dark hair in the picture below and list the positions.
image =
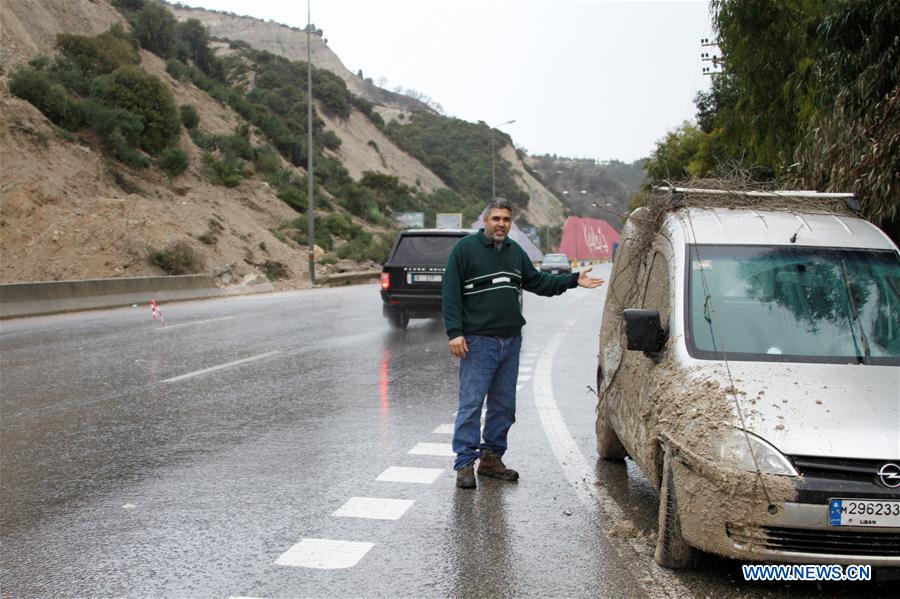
(498, 203)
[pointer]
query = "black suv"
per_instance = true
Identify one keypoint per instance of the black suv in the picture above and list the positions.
(412, 276)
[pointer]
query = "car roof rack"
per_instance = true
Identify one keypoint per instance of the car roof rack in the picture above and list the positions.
(849, 198)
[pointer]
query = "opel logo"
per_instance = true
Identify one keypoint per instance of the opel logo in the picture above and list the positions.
(890, 476)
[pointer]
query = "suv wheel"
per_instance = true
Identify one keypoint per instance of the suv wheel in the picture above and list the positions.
(398, 319)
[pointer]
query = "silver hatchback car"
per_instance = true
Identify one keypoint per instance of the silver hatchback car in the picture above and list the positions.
(750, 365)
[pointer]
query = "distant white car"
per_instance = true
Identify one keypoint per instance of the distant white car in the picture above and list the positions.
(750, 365)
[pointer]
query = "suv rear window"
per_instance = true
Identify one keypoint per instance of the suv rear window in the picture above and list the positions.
(422, 249)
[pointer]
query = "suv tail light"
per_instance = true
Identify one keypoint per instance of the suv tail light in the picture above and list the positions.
(385, 280)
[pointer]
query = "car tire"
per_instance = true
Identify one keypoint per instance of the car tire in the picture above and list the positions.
(609, 447)
(398, 319)
(672, 551)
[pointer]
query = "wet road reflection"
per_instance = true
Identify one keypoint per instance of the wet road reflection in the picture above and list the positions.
(480, 545)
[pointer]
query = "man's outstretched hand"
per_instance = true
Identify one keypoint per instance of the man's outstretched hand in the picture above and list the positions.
(590, 282)
(458, 347)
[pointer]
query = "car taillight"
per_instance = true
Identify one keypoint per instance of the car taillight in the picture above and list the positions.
(385, 280)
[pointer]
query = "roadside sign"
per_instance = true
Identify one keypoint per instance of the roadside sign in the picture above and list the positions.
(448, 220)
(411, 220)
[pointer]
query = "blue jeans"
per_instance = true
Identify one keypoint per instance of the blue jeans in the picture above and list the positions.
(490, 368)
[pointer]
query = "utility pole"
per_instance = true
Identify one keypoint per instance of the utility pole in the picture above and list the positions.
(311, 216)
(493, 177)
(717, 61)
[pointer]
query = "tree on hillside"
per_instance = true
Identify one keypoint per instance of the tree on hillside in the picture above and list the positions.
(135, 90)
(155, 28)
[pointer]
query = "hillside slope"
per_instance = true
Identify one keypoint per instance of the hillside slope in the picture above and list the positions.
(291, 43)
(70, 210)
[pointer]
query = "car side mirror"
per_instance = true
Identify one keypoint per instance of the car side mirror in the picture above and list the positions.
(643, 331)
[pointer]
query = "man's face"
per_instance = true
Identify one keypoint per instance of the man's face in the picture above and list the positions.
(497, 224)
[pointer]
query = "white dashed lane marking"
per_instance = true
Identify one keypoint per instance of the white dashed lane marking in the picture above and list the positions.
(376, 508)
(522, 379)
(169, 327)
(444, 429)
(324, 554)
(524, 368)
(404, 474)
(221, 366)
(444, 450)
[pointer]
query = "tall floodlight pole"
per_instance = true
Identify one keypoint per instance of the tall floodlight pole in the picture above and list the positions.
(311, 216)
(493, 177)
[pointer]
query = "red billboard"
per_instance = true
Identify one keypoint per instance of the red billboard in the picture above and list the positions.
(588, 239)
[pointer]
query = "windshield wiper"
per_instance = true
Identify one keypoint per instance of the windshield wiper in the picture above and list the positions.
(862, 333)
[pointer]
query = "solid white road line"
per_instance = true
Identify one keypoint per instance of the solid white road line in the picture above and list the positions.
(444, 429)
(221, 366)
(324, 554)
(376, 508)
(444, 450)
(169, 327)
(581, 476)
(405, 474)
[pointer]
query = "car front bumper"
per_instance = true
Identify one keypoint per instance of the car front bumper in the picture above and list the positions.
(753, 517)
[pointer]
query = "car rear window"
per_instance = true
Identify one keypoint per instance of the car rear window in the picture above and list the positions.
(421, 249)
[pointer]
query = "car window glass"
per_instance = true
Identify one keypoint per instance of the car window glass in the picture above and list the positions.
(421, 249)
(795, 303)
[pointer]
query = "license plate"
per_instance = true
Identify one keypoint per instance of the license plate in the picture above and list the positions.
(426, 278)
(864, 512)
(554, 272)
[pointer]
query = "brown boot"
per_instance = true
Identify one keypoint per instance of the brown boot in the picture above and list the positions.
(491, 465)
(465, 478)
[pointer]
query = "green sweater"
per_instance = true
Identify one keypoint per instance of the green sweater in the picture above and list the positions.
(482, 286)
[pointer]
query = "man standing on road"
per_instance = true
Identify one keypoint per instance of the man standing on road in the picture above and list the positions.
(481, 292)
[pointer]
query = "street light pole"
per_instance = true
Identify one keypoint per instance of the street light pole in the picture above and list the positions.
(311, 216)
(493, 177)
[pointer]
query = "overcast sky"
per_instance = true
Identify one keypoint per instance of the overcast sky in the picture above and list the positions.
(581, 78)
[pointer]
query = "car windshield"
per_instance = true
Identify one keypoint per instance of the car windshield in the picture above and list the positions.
(794, 304)
(555, 259)
(423, 249)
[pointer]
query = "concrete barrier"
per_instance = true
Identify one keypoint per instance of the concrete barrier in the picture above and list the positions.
(349, 278)
(32, 299)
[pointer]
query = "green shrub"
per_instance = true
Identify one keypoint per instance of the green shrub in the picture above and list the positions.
(137, 91)
(154, 26)
(189, 116)
(224, 173)
(176, 69)
(275, 270)
(294, 198)
(100, 54)
(173, 162)
(47, 96)
(177, 259)
(330, 140)
(129, 4)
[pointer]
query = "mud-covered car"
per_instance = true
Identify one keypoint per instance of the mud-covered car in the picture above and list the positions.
(411, 278)
(556, 264)
(749, 364)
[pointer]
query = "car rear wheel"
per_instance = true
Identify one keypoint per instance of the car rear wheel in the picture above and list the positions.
(398, 319)
(672, 551)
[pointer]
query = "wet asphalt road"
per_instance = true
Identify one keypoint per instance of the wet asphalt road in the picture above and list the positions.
(199, 457)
